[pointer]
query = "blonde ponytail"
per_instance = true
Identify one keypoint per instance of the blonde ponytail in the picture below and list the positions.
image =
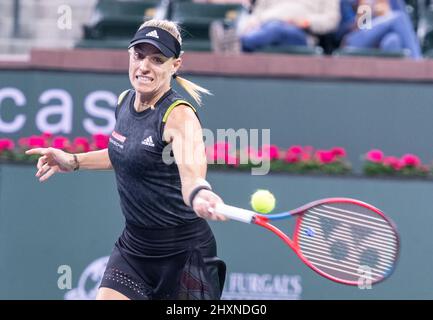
(193, 89)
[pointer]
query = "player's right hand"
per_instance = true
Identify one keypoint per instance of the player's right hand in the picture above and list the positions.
(52, 160)
(204, 205)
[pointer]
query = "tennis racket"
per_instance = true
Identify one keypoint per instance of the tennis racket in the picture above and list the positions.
(344, 240)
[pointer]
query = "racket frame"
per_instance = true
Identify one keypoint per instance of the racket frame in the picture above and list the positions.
(248, 216)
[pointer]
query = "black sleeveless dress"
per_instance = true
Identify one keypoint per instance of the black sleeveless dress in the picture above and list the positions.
(165, 251)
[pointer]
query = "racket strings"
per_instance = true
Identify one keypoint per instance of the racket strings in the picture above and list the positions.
(348, 271)
(346, 235)
(351, 261)
(353, 221)
(383, 261)
(350, 266)
(346, 241)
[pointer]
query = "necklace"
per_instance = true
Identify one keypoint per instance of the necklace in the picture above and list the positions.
(144, 106)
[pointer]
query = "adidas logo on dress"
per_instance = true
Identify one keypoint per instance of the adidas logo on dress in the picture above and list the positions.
(148, 142)
(153, 34)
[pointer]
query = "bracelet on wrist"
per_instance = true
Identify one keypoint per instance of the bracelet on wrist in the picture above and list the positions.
(195, 191)
(76, 163)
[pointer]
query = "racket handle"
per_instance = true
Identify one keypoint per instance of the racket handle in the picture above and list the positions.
(235, 213)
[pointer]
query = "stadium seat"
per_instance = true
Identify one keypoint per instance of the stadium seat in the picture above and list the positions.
(428, 54)
(426, 30)
(195, 20)
(412, 9)
(103, 44)
(114, 21)
(427, 46)
(293, 50)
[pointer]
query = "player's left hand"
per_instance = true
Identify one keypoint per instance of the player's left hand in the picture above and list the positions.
(204, 205)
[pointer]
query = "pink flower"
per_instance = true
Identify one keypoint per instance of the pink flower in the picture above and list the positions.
(375, 155)
(211, 155)
(308, 149)
(47, 135)
(81, 144)
(325, 156)
(23, 142)
(297, 153)
(252, 153)
(60, 143)
(220, 151)
(101, 141)
(36, 142)
(221, 147)
(393, 162)
(6, 144)
(226, 159)
(269, 152)
(291, 157)
(231, 160)
(410, 160)
(338, 152)
(306, 156)
(295, 149)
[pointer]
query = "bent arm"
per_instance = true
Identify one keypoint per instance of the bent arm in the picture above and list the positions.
(183, 130)
(54, 160)
(94, 160)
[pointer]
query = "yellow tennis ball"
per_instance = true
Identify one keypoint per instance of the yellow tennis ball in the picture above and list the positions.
(263, 201)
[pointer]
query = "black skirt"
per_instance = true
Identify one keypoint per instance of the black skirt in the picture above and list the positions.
(166, 263)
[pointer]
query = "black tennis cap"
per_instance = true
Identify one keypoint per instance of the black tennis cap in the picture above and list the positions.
(163, 40)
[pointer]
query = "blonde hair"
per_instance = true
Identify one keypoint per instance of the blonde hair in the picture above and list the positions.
(193, 89)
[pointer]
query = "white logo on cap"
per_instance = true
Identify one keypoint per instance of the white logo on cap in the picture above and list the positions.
(153, 34)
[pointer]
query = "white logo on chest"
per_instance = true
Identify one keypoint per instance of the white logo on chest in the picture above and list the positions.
(148, 141)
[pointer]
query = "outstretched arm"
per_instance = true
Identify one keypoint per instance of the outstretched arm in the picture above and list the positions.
(183, 130)
(54, 160)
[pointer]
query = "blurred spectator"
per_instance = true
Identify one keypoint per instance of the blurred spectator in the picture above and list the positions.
(348, 17)
(288, 22)
(390, 28)
(278, 23)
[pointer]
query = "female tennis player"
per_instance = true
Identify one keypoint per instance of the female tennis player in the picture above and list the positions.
(167, 249)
